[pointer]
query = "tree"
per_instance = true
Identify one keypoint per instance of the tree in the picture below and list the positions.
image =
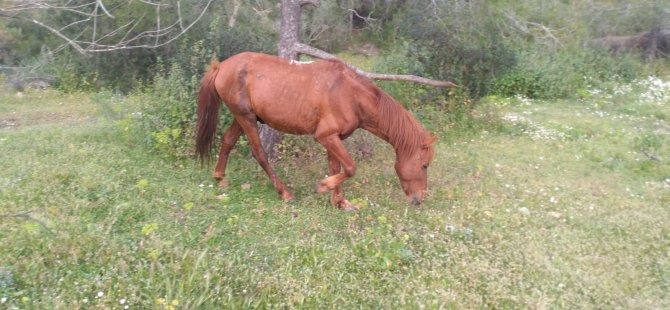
(91, 26)
(290, 47)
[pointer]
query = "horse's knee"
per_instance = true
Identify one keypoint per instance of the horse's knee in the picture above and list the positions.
(349, 170)
(228, 142)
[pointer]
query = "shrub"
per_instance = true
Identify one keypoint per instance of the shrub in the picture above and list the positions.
(564, 72)
(456, 41)
(437, 108)
(168, 112)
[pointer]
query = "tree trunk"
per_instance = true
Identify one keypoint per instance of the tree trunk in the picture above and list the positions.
(288, 39)
(289, 48)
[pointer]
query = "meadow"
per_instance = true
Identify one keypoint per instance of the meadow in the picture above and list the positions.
(534, 204)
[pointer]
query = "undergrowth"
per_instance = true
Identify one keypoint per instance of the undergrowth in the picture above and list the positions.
(534, 204)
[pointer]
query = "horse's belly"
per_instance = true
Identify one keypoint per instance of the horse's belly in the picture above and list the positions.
(293, 121)
(287, 107)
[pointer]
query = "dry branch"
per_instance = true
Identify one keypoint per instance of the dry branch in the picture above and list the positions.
(302, 48)
(26, 216)
(93, 13)
(650, 155)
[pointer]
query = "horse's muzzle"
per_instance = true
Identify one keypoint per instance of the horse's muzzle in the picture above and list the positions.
(416, 199)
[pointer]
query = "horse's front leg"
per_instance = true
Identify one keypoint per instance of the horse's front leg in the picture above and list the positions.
(227, 143)
(337, 195)
(340, 167)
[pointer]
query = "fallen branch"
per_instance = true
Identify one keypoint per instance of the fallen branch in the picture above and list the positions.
(26, 216)
(11, 182)
(650, 155)
(315, 52)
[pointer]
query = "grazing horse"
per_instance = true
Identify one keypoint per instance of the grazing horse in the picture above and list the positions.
(325, 99)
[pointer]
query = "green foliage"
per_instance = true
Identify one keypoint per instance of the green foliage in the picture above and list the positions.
(532, 48)
(564, 72)
(518, 218)
(168, 111)
(73, 75)
(424, 101)
(456, 41)
(169, 102)
(522, 83)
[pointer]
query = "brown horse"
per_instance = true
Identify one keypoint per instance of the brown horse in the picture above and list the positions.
(324, 99)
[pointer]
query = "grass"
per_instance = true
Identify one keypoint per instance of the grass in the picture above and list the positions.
(550, 205)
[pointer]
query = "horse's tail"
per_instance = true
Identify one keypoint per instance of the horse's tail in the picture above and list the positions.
(209, 105)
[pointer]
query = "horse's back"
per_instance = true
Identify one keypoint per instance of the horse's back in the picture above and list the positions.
(293, 97)
(297, 97)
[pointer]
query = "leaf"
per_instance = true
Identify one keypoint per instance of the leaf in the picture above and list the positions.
(142, 184)
(245, 186)
(223, 197)
(147, 229)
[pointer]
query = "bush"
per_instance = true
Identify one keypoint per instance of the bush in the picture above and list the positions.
(564, 72)
(456, 41)
(520, 82)
(168, 112)
(426, 102)
(169, 102)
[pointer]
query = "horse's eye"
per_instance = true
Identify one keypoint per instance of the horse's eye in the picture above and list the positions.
(425, 166)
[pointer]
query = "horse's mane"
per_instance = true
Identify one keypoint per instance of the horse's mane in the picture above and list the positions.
(404, 132)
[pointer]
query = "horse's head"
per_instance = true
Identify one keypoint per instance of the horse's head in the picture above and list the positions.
(412, 169)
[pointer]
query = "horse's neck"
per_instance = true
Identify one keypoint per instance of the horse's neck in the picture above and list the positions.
(396, 126)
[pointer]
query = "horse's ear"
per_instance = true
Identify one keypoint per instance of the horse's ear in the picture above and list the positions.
(429, 141)
(214, 64)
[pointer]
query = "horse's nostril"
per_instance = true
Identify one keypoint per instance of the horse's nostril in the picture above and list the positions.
(416, 200)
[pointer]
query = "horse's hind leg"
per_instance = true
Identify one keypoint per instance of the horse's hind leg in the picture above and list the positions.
(227, 143)
(248, 124)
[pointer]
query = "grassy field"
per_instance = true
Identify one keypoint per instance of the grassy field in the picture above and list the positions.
(560, 204)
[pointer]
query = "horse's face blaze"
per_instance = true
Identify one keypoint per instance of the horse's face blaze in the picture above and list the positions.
(413, 173)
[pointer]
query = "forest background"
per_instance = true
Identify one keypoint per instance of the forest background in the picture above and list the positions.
(550, 186)
(536, 49)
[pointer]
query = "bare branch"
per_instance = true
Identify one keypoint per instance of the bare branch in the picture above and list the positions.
(93, 13)
(26, 215)
(650, 155)
(525, 28)
(315, 52)
(310, 2)
(62, 36)
(95, 21)
(233, 15)
(181, 25)
(158, 21)
(153, 3)
(104, 9)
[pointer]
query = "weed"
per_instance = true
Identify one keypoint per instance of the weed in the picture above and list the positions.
(535, 204)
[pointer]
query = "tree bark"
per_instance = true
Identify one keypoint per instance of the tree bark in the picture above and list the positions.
(290, 47)
(289, 38)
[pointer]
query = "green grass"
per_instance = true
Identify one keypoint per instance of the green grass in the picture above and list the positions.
(551, 206)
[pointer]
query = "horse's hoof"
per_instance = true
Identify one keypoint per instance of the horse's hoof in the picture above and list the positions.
(345, 205)
(287, 196)
(223, 183)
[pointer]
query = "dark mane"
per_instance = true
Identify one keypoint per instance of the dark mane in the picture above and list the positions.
(405, 133)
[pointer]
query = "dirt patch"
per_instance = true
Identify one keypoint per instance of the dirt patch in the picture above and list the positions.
(15, 121)
(9, 123)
